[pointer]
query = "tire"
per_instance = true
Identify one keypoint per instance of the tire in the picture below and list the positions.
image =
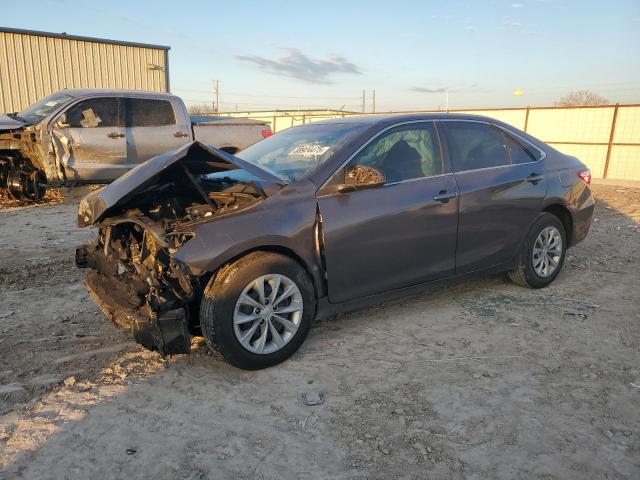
(27, 186)
(525, 273)
(222, 303)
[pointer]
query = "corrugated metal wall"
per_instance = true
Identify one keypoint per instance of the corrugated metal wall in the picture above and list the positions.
(611, 149)
(33, 66)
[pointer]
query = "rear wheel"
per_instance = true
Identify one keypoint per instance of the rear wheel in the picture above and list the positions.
(542, 254)
(257, 311)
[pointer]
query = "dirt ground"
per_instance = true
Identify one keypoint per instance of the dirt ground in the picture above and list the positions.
(483, 379)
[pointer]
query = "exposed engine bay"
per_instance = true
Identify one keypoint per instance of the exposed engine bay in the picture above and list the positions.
(134, 279)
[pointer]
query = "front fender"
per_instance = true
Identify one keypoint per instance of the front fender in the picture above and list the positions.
(282, 222)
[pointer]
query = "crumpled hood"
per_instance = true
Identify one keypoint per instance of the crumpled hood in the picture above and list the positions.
(8, 123)
(98, 203)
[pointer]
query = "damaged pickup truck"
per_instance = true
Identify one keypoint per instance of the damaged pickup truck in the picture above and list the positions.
(95, 135)
(248, 249)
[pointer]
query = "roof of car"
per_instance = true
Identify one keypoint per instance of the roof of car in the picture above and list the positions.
(83, 92)
(387, 119)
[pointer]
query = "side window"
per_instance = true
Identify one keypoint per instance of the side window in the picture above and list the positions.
(517, 152)
(404, 153)
(147, 112)
(93, 113)
(476, 145)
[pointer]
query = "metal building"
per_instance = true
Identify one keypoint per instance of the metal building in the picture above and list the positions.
(35, 64)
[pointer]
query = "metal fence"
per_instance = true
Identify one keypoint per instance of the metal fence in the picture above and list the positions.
(605, 137)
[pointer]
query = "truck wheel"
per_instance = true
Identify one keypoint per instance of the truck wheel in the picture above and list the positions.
(26, 186)
(542, 254)
(257, 311)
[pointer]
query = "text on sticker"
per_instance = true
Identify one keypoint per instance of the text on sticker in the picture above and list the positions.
(308, 150)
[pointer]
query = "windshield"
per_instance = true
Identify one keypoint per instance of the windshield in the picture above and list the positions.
(43, 108)
(297, 151)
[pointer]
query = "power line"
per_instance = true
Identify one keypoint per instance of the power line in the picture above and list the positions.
(287, 104)
(239, 94)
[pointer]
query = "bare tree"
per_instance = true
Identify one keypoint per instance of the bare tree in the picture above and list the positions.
(581, 97)
(200, 109)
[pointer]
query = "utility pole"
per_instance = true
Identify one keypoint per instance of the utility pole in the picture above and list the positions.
(213, 102)
(447, 101)
(216, 85)
(373, 101)
(363, 100)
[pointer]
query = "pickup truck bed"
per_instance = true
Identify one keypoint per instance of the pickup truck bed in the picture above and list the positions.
(228, 133)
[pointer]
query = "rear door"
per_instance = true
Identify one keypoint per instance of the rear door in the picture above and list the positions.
(399, 234)
(152, 127)
(90, 137)
(501, 189)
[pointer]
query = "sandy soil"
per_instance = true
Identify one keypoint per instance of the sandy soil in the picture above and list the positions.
(480, 380)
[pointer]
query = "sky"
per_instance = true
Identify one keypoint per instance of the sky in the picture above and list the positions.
(414, 54)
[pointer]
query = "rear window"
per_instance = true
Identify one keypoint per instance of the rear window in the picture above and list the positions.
(146, 112)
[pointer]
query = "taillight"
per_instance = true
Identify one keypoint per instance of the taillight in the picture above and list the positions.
(266, 133)
(585, 176)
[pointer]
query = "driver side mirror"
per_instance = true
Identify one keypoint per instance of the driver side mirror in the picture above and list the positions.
(358, 177)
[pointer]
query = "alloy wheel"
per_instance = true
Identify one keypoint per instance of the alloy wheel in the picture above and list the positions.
(547, 251)
(268, 313)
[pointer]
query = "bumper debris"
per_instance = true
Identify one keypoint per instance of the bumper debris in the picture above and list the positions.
(155, 316)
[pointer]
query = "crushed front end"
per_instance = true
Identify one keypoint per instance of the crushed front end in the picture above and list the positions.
(23, 172)
(143, 219)
(139, 286)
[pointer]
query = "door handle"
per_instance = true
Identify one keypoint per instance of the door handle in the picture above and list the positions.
(180, 134)
(115, 135)
(444, 196)
(534, 178)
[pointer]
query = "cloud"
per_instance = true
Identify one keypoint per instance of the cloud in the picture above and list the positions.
(517, 5)
(512, 24)
(472, 87)
(296, 64)
(470, 29)
(429, 89)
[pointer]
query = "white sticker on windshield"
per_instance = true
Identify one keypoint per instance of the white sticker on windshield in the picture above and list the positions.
(308, 150)
(51, 103)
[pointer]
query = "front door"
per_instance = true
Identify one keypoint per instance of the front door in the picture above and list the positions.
(90, 139)
(399, 234)
(501, 189)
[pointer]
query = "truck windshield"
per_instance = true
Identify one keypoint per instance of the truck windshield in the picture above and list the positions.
(297, 151)
(43, 108)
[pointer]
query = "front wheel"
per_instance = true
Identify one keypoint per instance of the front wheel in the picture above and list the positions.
(26, 185)
(257, 311)
(542, 254)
